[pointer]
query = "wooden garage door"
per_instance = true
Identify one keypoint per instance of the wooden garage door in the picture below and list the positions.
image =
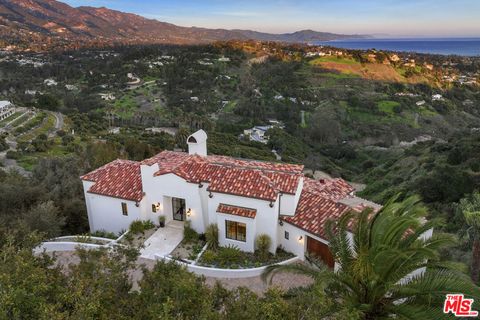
(321, 250)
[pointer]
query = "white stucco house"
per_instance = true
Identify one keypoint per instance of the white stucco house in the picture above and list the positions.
(6, 109)
(245, 198)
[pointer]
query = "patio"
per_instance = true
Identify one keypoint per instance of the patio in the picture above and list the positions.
(163, 241)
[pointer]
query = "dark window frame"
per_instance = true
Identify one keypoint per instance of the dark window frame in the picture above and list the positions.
(236, 235)
(287, 235)
(124, 209)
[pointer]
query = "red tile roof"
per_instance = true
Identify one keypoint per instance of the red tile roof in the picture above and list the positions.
(318, 203)
(255, 179)
(237, 211)
(119, 179)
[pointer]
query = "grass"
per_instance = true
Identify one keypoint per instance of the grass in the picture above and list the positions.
(229, 107)
(10, 118)
(319, 61)
(45, 127)
(20, 120)
(387, 106)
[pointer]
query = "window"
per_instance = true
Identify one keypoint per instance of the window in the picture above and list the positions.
(287, 235)
(154, 207)
(235, 230)
(124, 209)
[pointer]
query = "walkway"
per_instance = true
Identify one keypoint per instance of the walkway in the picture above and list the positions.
(163, 241)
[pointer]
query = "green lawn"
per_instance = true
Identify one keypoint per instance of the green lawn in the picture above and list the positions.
(10, 118)
(387, 106)
(334, 59)
(229, 107)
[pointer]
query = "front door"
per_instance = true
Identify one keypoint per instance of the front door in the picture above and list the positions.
(178, 206)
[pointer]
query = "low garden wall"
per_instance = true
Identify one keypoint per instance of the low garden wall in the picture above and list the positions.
(224, 273)
(51, 246)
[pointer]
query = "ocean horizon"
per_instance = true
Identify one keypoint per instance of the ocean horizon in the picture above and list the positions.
(443, 46)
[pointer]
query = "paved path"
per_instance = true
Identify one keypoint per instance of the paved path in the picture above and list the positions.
(163, 241)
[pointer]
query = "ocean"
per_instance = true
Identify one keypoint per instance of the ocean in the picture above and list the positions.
(444, 46)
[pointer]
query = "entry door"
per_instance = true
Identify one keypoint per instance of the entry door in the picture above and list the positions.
(178, 206)
(320, 250)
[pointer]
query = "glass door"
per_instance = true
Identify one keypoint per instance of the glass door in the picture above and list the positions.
(178, 206)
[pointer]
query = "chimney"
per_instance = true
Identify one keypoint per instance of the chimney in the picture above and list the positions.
(197, 143)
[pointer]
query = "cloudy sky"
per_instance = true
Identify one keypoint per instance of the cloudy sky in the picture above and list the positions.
(394, 18)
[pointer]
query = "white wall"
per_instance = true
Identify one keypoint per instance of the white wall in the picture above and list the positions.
(247, 245)
(105, 213)
(265, 222)
(163, 188)
(289, 202)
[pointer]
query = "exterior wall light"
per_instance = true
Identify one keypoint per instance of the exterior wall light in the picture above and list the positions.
(189, 212)
(200, 185)
(280, 222)
(210, 195)
(300, 238)
(137, 204)
(271, 204)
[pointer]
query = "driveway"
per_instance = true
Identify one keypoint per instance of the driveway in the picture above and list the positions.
(163, 241)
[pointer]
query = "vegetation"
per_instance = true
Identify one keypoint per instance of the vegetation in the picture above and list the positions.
(211, 235)
(140, 226)
(377, 274)
(470, 208)
(263, 243)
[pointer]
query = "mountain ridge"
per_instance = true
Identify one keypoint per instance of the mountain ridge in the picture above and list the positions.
(43, 24)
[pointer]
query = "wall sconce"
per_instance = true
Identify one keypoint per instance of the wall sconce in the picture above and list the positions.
(210, 195)
(189, 212)
(200, 185)
(137, 204)
(271, 204)
(300, 238)
(280, 222)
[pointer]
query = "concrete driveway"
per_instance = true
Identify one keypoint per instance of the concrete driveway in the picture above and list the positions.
(163, 241)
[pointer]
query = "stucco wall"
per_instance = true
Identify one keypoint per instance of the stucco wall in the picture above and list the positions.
(265, 222)
(105, 213)
(162, 188)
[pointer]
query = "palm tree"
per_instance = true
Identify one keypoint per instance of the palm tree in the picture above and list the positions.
(378, 267)
(470, 208)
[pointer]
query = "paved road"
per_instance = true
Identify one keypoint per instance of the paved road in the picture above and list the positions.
(58, 124)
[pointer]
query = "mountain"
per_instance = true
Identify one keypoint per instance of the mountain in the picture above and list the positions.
(46, 24)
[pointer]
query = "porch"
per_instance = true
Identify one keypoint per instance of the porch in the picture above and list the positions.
(163, 241)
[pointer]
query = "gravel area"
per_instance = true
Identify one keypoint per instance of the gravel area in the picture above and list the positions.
(283, 281)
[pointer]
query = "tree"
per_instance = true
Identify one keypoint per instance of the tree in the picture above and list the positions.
(44, 217)
(470, 208)
(377, 275)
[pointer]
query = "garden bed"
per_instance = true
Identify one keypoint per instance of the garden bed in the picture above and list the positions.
(188, 250)
(139, 232)
(233, 258)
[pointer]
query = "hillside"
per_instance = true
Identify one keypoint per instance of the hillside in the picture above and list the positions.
(44, 24)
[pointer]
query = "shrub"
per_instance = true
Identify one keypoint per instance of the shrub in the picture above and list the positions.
(211, 236)
(188, 233)
(229, 255)
(209, 257)
(103, 234)
(263, 243)
(139, 226)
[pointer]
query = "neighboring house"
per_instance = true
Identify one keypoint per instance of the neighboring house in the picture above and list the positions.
(6, 109)
(437, 97)
(245, 198)
(50, 82)
(420, 103)
(258, 133)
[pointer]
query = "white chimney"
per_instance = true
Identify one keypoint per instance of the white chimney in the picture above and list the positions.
(197, 143)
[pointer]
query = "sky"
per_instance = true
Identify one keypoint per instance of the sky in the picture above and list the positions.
(391, 18)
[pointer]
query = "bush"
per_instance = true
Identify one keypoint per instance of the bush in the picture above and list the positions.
(209, 257)
(103, 234)
(139, 226)
(229, 255)
(263, 243)
(188, 233)
(211, 236)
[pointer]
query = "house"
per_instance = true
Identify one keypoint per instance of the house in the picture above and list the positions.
(244, 198)
(437, 97)
(50, 82)
(420, 103)
(6, 109)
